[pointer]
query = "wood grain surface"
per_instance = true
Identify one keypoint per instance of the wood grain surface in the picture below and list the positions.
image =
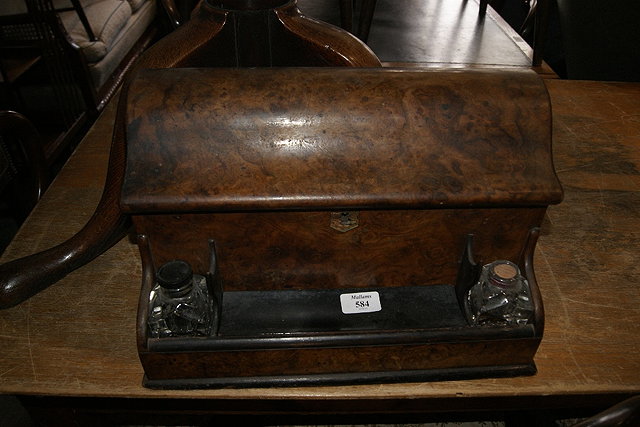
(77, 338)
(333, 138)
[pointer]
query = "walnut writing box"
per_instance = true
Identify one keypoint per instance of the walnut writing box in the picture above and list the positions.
(299, 191)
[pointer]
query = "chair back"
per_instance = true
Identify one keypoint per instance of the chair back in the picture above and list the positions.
(23, 175)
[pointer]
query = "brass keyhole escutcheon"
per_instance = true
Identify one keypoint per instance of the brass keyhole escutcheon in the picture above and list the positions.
(344, 221)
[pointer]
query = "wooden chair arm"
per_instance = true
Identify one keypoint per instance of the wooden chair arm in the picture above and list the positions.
(625, 413)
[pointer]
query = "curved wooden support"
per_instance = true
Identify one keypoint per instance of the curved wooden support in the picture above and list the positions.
(265, 37)
(214, 37)
(526, 262)
(24, 277)
(625, 413)
(172, 12)
(331, 45)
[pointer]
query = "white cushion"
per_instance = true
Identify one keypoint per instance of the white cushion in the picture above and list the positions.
(139, 22)
(106, 17)
(136, 4)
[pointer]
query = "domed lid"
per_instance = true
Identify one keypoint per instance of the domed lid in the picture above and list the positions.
(411, 139)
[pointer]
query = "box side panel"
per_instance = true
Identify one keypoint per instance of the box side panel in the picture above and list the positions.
(301, 250)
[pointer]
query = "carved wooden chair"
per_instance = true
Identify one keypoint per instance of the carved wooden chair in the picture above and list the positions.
(23, 175)
(178, 13)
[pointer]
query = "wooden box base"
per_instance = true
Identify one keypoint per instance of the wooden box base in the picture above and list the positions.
(301, 337)
(460, 373)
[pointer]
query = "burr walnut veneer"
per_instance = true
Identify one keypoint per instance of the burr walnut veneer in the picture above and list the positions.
(290, 187)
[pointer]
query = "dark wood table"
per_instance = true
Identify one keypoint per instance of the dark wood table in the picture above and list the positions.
(76, 340)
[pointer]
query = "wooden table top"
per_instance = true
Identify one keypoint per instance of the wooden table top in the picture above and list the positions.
(434, 31)
(77, 338)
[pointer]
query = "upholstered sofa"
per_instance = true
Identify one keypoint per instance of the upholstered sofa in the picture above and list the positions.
(99, 52)
(118, 26)
(83, 50)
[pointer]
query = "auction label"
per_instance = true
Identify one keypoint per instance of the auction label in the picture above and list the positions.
(360, 302)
